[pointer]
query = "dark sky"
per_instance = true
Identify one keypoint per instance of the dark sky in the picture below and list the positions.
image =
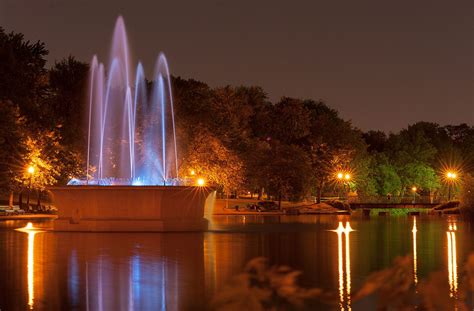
(381, 63)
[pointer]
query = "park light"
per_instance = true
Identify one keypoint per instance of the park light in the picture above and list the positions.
(414, 189)
(31, 169)
(192, 172)
(201, 182)
(451, 175)
(347, 176)
(340, 175)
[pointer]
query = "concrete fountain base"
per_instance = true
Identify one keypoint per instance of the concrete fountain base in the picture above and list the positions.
(131, 208)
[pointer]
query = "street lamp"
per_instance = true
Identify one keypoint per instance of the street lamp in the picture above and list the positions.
(201, 182)
(31, 172)
(450, 177)
(343, 177)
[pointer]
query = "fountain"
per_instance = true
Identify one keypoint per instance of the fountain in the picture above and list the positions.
(132, 181)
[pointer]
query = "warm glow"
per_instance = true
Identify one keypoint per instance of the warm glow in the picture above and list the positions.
(31, 231)
(192, 172)
(340, 175)
(347, 176)
(344, 289)
(201, 182)
(414, 189)
(451, 175)
(414, 231)
(31, 170)
(452, 261)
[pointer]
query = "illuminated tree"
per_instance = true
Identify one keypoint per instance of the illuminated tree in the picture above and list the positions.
(210, 159)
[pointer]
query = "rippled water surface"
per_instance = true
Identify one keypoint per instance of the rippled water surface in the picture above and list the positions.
(182, 271)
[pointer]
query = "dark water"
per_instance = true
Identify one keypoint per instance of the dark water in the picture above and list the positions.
(182, 271)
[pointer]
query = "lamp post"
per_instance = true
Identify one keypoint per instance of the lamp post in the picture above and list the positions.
(343, 178)
(414, 194)
(347, 178)
(340, 178)
(451, 177)
(31, 171)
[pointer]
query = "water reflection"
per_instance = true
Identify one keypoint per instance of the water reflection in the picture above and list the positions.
(452, 259)
(31, 231)
(414, 231)
(183, 271)
(344, 289)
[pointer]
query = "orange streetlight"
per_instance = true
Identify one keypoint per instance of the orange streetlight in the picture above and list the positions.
(201, 182)
(343, 178)
(451, 177)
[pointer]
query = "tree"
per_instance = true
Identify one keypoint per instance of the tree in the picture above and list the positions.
(376, 141)
(333, 145)
(210, 159)
(67, 103)
(289, 122)
(23, 77)
(12, 138)
(287, 171)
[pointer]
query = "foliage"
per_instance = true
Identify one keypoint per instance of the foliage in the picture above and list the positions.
(23, 78)
(261, 287)
(287, 172)
(67, 87)
(235, 136)
(12, 138)
(210, 159)
(42, 155)
(397, 211)
(467, 196)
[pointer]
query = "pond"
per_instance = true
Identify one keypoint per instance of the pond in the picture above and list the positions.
(184, 271)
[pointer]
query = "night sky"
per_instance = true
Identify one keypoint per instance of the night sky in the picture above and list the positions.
(382, 64)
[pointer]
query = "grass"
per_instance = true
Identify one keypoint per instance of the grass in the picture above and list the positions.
(398, 211)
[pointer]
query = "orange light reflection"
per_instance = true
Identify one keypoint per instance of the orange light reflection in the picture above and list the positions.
(31, 231)
(344, 289)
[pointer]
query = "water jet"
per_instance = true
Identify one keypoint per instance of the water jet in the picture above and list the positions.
(132, 181)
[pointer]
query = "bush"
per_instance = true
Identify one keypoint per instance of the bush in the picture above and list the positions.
(339, 205)
(450, 204)
(467, 197)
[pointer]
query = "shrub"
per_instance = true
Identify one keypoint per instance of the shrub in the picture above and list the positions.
(467, 197)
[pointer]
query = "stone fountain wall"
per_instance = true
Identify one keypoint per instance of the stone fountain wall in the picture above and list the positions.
(130, 208)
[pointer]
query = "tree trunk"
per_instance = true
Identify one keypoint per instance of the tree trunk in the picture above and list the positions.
(38, 203)
(319, 192)
(10, 200)
(20, 199)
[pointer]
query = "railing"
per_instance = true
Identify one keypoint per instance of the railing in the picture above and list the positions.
(399, 199)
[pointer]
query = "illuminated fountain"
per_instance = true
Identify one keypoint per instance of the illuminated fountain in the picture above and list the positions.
(132, 181)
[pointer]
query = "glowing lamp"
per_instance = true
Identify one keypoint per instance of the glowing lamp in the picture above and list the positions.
(451, 175)
(347, 176)
(31, 170)
(340, 175)
(201, 182)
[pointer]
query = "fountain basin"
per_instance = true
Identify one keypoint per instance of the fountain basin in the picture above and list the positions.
(130, 208)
